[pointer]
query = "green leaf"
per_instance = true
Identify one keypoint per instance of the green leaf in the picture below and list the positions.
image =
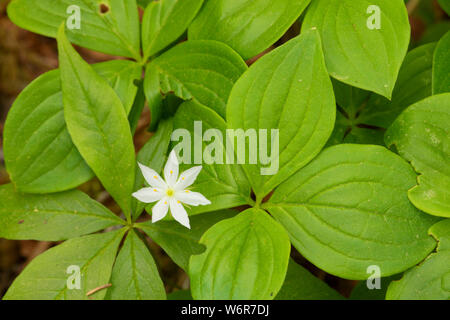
(114, 32)
(348, 209)
(421, 136)
(165, 21)
(97, 123)
(246, 258)
(51, 217)
(364, 116)
(366, 58)
(288, 89)
(445, 5)
(143, 3)
(248, 26)
(225, 185)
(135, 275)
(300, 284)
(203, 71)
(180, 295)
(441, 66)
(179, 242)
(430, 280)
(35, 130)
(47, 277)
(152, 155)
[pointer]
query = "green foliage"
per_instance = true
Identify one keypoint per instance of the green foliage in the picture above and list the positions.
(346, 208)
(421, 136)
(230, 268)
(431, 279)
(366, 58)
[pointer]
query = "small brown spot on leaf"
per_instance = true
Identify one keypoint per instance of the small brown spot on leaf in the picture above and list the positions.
(21, 221)
(104, 8)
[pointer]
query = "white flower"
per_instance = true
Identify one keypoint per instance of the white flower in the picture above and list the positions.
(171, 192)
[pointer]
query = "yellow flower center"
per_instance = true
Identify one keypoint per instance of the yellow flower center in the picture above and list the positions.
(170, 192)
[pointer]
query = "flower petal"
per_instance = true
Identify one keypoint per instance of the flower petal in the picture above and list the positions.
(187, 178)
(192, 198)
(179, 213)
(149, 195)
(152, 177)
(171, 169)
(160, 209)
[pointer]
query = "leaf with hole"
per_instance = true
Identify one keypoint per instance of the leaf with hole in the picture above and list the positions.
(110, 26)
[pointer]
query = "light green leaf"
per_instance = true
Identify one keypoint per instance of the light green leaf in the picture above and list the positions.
(288, 89)
(114, 32)
(300, 284)
(135, 275)
(153, 155)
(248, 26)
(430, 280)
(179, 242)
(363, 117)
(348, 209)
(225, 185)
(366, 58)
(441, 66)
(421, 135)
(51, 217)
(203, 71)
(165, 21)
(246, 258)
(97, 123)
(35, 130)
(51, 275)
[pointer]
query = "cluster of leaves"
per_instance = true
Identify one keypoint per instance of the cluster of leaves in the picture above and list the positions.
(341, 198)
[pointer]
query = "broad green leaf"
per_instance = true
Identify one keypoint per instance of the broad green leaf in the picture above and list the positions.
(52, 217)
(225, 185)
(179, 242)
(300, 284)
(363, 117)
(165, 21)
(246, 258)
(421, 135)
(445, 5)
(97, 123)
(113, 31)
(153, 155)
(39, 154)
(362, 292)
(367, 58)
(203, 71)
(348, 209)
(441, 66)
(135, 275)
(136, 109)
(430, 280)
(52, 275)
(287, 90)
(248, 26)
